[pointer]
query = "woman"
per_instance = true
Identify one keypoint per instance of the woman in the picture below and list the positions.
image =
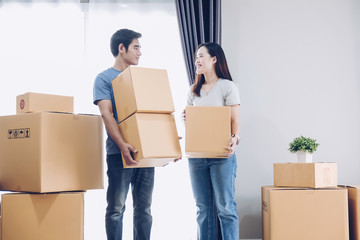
(213, 179)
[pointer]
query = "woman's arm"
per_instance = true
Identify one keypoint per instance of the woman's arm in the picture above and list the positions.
(235, 129)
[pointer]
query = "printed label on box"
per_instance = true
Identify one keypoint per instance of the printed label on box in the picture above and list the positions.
(18, 133)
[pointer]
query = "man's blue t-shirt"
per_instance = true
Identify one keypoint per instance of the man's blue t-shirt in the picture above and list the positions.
(103, 91)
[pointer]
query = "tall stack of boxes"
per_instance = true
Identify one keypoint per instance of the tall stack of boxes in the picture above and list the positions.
(48, 157)
(305, 203)
(145, 109)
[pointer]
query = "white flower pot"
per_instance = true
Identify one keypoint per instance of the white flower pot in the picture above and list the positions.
(304, 157)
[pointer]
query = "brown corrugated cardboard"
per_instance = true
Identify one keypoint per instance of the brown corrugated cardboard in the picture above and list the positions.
(56, 216)
(208, 131)
(154, 136)
(38, 102)
(142, 90)
(298, 214)
(354, 211)
(51, 152)
(313, 175)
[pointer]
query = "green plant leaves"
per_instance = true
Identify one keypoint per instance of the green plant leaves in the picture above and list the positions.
(303, 144)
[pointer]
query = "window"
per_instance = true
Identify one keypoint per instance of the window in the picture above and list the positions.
(58, 47)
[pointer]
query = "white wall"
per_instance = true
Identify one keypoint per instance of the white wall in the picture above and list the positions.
(297, 64)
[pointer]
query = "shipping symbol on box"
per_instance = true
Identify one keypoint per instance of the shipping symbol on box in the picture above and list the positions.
(18, 133)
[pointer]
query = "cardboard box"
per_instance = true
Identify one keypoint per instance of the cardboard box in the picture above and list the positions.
(354, 211)
(312, 175)
(207, 131)
(42, 216)
(38, 102)
(51, 152)
(298, 214)
(154, 136)
(142, 90)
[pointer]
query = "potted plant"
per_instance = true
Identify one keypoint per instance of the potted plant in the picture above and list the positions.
(303, 147)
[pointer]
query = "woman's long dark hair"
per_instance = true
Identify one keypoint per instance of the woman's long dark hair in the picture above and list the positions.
(221, 67)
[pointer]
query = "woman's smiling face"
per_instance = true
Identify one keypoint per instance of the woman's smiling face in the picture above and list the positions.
(203, 61)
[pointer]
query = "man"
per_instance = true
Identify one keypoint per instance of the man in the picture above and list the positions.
(125, 47)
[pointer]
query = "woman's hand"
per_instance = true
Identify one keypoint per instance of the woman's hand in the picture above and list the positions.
(183, 115)
(232, 144)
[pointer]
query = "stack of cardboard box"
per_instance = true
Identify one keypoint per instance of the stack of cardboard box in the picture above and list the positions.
(306, 203)
(48, 157)
(145, 109)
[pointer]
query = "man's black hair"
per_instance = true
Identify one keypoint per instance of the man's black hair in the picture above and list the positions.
(124, 36)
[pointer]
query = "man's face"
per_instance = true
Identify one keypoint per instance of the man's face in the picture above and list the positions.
(132, 55)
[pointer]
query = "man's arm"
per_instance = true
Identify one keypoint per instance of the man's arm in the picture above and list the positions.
(113, 129)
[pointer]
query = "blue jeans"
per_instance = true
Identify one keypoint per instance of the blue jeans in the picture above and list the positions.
(142, 184)
(213, 185)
